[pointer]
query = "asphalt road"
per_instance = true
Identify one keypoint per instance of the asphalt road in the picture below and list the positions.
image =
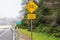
(6, 34)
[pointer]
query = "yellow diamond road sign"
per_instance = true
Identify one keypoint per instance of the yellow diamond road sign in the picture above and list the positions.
(31, 16)
(31, 6)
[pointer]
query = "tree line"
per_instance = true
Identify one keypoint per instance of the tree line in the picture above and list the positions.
(48, 18)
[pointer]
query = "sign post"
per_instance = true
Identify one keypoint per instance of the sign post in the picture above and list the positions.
(31, 16)
(31, 30)
(31, 7)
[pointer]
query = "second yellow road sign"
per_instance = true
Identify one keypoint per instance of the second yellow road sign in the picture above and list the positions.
(31, 6)
(31, 16)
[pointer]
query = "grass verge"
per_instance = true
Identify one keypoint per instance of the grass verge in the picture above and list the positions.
(38, 36)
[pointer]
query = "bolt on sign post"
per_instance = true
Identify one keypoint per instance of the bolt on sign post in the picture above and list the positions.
(31, 7)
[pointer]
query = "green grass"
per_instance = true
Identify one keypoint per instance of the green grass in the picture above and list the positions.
(38, 36)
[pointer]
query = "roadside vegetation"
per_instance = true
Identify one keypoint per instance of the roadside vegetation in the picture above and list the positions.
(38, 36)
(47, 21)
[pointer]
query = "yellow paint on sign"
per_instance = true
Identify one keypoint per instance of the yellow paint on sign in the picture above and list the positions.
(31, 6)
(31, 16)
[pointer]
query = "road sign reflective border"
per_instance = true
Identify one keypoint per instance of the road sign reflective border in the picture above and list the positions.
(31, 16)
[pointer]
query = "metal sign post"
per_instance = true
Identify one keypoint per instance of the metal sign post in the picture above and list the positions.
(31, 17)
(31, 30)
(31, 7)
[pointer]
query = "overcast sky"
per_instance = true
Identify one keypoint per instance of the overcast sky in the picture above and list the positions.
(10, 8)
